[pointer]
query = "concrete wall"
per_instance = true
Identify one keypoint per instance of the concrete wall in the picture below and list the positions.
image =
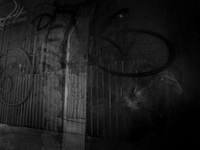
(178, 21)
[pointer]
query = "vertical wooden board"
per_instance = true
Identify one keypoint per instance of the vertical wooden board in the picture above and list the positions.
(13, 99)
(68, 91)
(110, 106)
(31, 99)
(10, 101)
(29, 102)
(80, 104)
(116, 99)
(36, 101)
(52, 115)
(73, 100)
(22, 94)
(39, 101)
(104, 104)
(43, 101)
(66, 94)
(85, 90)
(89, 102)
(26, 107)
(7, 100)
(18, 99)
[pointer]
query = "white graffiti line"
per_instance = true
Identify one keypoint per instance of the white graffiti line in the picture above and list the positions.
(19, 12)
(15, 13)
(169, 78)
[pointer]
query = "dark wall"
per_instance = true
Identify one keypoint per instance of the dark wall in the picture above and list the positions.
(178, 21)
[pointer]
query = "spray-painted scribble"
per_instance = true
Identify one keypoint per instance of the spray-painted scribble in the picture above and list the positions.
(109, 64)
(72, 10)
(140, 95)
(14, 14)
(7, 74)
